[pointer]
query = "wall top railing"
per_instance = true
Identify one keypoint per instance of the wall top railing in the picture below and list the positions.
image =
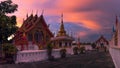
(115, 47)
(30, 51)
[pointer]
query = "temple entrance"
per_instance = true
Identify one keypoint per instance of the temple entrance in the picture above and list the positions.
(102, 44)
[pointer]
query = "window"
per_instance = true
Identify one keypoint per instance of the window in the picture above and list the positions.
(47, 38)
(60, 44)
(39, 36)
(36, 36)
(69, 44)
(65, 44)
(30, 37)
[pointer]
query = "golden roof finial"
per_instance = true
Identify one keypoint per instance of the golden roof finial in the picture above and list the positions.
(62, 25)
(42, 12)
(62, 31)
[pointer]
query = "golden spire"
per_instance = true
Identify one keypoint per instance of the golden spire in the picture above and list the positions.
(62, 31)
(62, 25)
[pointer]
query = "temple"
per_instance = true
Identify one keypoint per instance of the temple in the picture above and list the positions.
(102, 41)
(62, 39)
(34, 31)
(114, 48)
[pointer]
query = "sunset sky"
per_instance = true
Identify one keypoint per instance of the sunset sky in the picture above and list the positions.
(87, 19)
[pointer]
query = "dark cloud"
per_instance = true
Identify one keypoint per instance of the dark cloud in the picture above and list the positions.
(101, 12)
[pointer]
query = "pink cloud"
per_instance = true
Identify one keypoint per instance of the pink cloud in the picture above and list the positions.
(90, 14)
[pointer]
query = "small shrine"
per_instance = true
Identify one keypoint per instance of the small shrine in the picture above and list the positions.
(62, 39)
(102, 41)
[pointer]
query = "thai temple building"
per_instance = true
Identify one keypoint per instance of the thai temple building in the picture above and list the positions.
(102, 41)
(33, 34)
(114, 48)
(115, 41)
(62, 39)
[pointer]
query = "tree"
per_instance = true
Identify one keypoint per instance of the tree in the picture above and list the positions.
(49, 51)
(93, 45)
(9, 48)
(63, 53)
(7, 23)
(75, 50)
(9, 51)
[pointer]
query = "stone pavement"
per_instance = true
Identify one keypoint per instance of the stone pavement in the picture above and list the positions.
(92, 59)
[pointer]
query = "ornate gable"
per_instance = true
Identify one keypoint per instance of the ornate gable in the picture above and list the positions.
(102, 39)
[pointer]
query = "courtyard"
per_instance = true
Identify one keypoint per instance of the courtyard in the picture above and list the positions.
(91, 59)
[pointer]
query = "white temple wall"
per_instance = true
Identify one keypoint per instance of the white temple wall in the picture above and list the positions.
(40, 55)
(88, 47)
(35, 55)
(69, 50)
(119, 36)
(115, 54)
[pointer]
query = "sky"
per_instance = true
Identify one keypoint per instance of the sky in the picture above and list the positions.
(87, 19)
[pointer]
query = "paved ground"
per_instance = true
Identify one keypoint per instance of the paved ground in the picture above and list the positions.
(89, 60)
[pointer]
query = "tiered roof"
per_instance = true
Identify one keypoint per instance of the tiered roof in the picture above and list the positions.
(30, 23)
(102, 38)
(61, 35)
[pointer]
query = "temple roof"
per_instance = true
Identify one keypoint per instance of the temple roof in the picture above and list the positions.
(32, 21)
(61, 31)
(61, 35)
(102, 38)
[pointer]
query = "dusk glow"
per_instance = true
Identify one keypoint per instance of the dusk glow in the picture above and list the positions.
(87, 19)
(60, 33)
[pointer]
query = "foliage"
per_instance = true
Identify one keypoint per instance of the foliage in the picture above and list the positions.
(49, 51)
(49, 46)
(75, 50)
(7, 23)
(82, 49)
(63, 53)
(9, 48)
(7, 7)
(9, 51)
(93, 45)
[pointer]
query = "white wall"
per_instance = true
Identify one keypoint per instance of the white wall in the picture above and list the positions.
(115, 54)
(39, 55)
(35, 55)
(88, 47)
